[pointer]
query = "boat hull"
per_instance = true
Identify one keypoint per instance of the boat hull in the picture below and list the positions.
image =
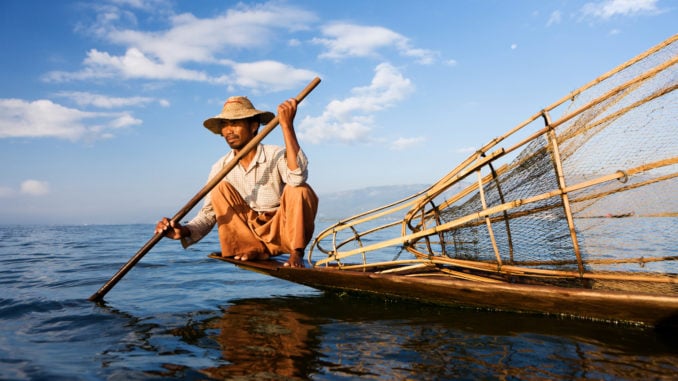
(614, 306)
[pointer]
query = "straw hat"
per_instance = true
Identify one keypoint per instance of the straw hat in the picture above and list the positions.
(235, 108)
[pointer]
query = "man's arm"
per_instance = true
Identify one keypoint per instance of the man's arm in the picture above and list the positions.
(200, 225)
(286, 113)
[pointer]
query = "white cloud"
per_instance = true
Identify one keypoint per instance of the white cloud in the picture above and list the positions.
(124, 120)
(351, 119)
(149, 5)
(82, 98)
(349, 40)
(554, 19)
(44, 118)
(267, 75)
(609, 8)
(164, 54)
(34, 188)
(192, 39)
(404, 143)
(28, 188)
(135, 64)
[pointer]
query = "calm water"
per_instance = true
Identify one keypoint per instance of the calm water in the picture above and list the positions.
(180, 315)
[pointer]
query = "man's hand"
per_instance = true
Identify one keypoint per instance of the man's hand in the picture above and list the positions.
(286, 113)
(174, 230)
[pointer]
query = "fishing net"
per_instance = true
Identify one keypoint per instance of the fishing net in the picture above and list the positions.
(582, 194)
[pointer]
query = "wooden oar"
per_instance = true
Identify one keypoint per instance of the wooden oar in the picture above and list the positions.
(99, 295)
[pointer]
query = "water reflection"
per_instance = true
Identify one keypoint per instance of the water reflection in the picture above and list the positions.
(332, 337)
(260, 339)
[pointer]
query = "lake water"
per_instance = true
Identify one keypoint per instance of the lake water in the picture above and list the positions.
(180, 315)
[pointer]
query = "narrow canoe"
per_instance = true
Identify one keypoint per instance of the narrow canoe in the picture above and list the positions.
(441, 289)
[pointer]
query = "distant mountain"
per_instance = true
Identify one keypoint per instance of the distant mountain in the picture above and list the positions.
(339, 205)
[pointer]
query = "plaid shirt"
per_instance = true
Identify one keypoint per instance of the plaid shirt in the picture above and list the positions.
(261, 185)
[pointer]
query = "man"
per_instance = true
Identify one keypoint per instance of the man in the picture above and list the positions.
(263, 207)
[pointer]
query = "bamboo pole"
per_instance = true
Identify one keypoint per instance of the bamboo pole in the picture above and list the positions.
(488, 223)
(518, 270)
(560, 175)
(525, 271)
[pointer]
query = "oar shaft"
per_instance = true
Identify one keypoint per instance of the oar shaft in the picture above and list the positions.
(199, 196)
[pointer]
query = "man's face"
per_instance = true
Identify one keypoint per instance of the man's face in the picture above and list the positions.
(239, 132)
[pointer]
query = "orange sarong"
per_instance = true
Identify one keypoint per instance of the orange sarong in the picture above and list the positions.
(243, 231)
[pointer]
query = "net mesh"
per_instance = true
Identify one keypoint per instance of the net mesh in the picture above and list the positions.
(582, 194)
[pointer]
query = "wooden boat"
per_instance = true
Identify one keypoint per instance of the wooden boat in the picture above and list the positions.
(442, 289)
(525, 223)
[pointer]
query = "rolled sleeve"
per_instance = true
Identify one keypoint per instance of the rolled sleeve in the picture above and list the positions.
(204, 221)
(298, 176)
(199, 226)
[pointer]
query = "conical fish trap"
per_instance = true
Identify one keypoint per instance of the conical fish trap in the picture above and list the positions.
(581, 194)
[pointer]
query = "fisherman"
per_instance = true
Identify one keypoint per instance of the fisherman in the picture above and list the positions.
(263, 207)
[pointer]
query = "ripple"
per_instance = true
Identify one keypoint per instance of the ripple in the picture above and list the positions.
(12, 309)
(178, 314)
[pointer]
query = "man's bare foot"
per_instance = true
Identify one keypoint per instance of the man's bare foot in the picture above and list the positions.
(296, 259)
(252, 257)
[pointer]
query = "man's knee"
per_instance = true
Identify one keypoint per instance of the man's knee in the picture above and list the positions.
(225, 191)
(224, 187)
(302, 192)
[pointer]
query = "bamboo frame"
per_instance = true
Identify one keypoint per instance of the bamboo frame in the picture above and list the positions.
(333, 255)
(424, 215)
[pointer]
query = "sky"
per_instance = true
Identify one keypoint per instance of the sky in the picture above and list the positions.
(102, 103)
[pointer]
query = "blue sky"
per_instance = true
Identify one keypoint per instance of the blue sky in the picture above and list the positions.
(102, 103)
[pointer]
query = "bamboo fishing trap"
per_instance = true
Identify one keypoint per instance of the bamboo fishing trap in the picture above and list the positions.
(581, 194)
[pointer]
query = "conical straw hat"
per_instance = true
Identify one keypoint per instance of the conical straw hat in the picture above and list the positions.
(235, 108)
